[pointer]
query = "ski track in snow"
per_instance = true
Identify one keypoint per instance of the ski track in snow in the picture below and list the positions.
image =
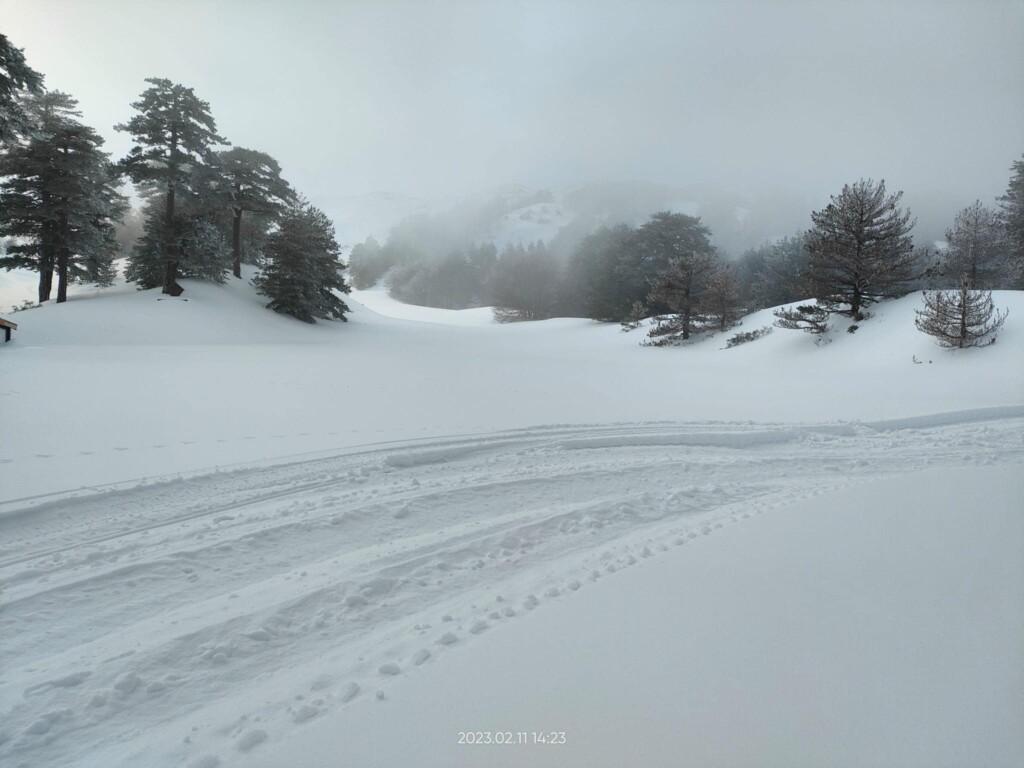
(255, 600)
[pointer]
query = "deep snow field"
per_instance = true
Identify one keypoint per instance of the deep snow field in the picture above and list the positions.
(228, 538)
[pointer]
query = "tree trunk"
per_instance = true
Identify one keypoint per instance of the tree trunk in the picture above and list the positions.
(45, 278)
(46, 256)
(171, 262)
(963, 320)
(62, 262)
(236, 242)
(687, 309)
(62, 276)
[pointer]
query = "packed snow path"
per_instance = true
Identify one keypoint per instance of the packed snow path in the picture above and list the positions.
(185, 622)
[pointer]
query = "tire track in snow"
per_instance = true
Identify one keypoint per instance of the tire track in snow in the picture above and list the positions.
(435, 545)
(407, 458)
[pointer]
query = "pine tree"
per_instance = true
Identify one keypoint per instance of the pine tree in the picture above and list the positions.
(599, 284)
(203, 253)
(670, 237)
(681, 288)
(453, 284)
(207, 253)
(719, 305)
(778, 280)
(365, 264)
(146, 264)
(303, 275)
(670, 243)
(59, 199)
(977, 247)
(483, 260)
(98, 266)
(254, 185)
(17, 79)
(961, 318)
(256, 228)
(860, 249)
(174, 134)
(1012, 217)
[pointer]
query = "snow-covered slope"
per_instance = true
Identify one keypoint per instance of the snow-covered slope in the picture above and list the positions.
(230, 538)
(134, 384)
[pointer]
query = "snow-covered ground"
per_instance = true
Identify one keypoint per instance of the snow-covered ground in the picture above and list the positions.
(228, 538)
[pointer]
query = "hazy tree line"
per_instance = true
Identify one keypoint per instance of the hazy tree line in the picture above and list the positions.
(207, 206)
(459, 278)
(858, 251)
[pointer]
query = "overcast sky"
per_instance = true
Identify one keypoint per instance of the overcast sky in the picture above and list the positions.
(433, 97)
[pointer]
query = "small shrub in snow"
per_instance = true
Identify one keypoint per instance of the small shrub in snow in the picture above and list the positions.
(670, 331)
(807, 317)
(636, 315)
(506, 315)
(747, 336)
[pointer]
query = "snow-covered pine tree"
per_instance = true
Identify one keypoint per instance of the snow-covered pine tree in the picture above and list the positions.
(146, 263)
(1012, 217)
(860, 249)
(255, 185)
(964, 317)
(59, 198)
(17, 79)
(202, 251)
(302, 277)
(98, 267)
(206, 253)
(174, 134)
(977, 248)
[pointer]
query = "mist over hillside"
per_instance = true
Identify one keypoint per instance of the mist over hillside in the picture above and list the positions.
(739, 218)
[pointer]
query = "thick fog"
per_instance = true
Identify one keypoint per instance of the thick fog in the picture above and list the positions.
(433, 99)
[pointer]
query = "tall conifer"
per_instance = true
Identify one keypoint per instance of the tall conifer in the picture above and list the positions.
(174, 135)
